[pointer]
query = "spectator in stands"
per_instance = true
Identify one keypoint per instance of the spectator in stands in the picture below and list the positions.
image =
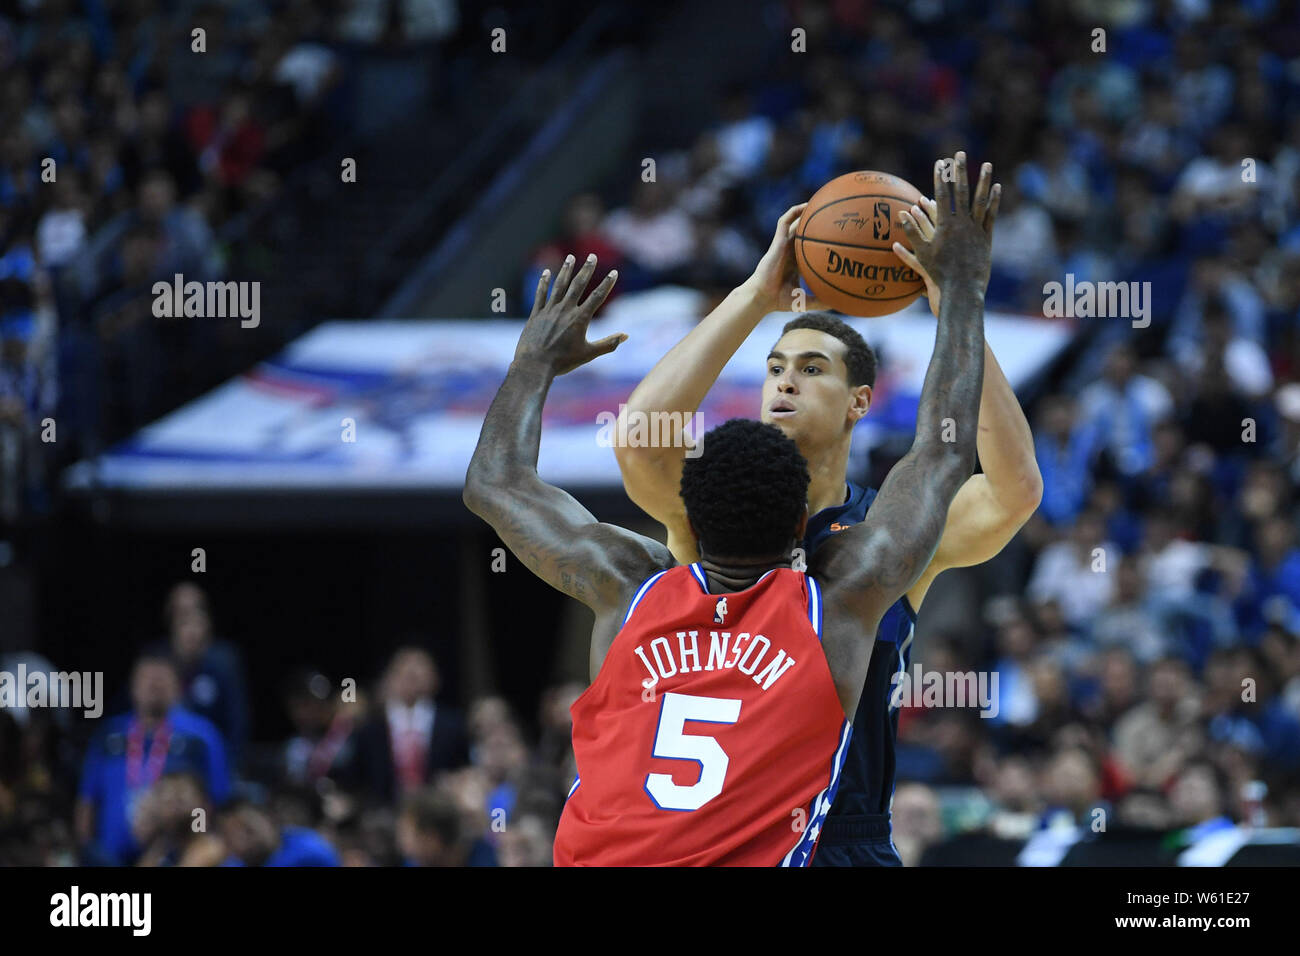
(1015, 647)
(211, 670)
(917, 821)
(1225, 352)
(527, 841)
(324, 744)
(133, 750)
(1156, 736)
(1244, 711)
(412, 735)
(252, 837)
(502, 757)
(1197, 798)
(1117, 687)
(744, 136)
(1072, 787)
(581, 237)
(1064, 451)
(1273, 575)
(1125, 405)
(1073, 571)
(170, 822)
(1129, 621)
(652, 234)
(187, 243)
(430, 833)
(555, 748)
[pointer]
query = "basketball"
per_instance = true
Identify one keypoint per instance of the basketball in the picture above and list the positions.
(844, 244)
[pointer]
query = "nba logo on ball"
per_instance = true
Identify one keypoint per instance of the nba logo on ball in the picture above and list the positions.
(844, 245)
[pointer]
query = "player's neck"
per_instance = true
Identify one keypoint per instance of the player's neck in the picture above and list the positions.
(826, 474)
(731, 574)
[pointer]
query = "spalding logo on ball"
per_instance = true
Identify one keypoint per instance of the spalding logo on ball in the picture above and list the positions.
(844, 244)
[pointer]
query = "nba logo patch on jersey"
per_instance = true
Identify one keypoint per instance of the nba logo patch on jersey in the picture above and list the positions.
(720, 611)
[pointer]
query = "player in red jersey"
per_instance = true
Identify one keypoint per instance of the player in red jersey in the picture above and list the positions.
(692, 747)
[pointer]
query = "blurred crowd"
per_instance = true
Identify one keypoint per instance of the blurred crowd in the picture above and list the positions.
(1169, 154)
(1147, 645)
(384, 773)
(140, 136)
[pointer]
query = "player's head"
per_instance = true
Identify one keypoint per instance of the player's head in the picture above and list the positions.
(746, 493)
(819, 379)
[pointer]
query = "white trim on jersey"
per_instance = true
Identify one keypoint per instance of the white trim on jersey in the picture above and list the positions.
(902, 658)
(641, 593)
(815, 605)
(801, 852)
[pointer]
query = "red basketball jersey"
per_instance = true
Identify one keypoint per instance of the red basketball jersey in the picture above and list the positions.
(712, 736)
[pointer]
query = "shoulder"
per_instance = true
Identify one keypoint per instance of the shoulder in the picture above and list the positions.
(115, 725)
(188, 722)
(223, 656)
(300, 846)
(632, 558)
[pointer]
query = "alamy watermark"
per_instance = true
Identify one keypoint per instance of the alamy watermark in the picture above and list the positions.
(923, 688)
(75, 689)
(1086, 299)
(208, 300)
(637, 429)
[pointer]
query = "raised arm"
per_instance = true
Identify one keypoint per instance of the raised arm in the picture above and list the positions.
(681, 379)
(545, 527)
(868, 567)
(990, 507)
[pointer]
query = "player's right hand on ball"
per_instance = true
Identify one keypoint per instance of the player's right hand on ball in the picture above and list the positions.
(952, 244)
(556, 331)
(776, 277)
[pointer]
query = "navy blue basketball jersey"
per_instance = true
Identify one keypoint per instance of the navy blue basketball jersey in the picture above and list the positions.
(867, 780)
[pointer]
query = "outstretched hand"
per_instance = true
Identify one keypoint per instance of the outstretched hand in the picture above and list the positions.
(968, 249)
(556, 331)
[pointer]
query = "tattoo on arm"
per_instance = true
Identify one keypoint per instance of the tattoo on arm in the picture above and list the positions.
(874, 563)
(551, 532)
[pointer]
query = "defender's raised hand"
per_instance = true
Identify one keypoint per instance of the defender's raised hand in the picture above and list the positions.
(556, 331)
(952, 237)
(985, 210)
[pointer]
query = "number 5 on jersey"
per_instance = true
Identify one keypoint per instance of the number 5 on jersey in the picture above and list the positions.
(672, 743)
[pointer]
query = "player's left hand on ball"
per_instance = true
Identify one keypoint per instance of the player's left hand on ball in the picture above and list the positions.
(556, 331)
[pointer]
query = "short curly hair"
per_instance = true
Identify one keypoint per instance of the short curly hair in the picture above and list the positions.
(746, 490)
(858, 355)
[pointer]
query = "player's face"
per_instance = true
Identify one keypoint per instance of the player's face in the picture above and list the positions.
(806, 393)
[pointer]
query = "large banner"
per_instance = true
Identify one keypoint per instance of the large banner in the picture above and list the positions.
(398, 404)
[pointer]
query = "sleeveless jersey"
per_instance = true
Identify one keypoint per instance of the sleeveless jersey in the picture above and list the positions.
(712, 735)
(867, 786)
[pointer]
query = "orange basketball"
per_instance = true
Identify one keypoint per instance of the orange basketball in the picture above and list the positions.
(843, 245)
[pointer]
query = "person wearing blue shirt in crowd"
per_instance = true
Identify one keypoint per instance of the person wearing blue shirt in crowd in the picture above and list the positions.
(132, 751)
(211, 670)
(253, 838)
(1065, 450)
(430, 832)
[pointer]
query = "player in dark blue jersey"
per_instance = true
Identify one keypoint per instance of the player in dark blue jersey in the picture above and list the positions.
(819, 385)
